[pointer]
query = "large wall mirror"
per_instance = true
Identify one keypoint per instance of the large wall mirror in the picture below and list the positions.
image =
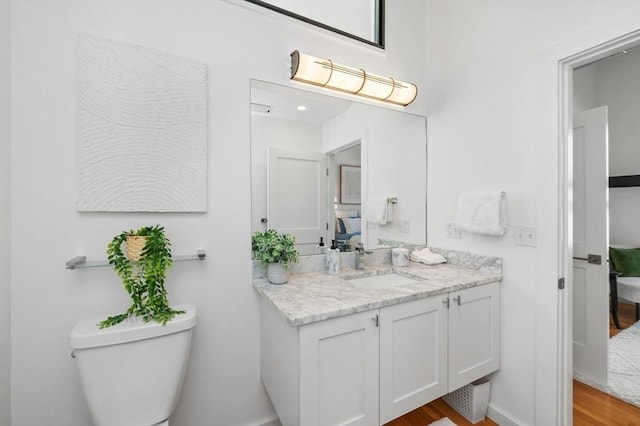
(358, 19)
(320, 166)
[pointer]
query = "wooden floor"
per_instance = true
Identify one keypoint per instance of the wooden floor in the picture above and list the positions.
(594, 408)
(590, 406)
(435, 411)
(626, 317)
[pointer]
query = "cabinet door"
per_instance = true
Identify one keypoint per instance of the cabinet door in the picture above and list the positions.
(413, 355)
(473, 334)
(339, 371)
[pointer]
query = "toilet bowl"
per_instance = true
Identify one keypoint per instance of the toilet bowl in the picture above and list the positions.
(132, 372)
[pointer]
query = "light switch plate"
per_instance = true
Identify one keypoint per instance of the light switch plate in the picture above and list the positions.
(525, 235)
(453, 231)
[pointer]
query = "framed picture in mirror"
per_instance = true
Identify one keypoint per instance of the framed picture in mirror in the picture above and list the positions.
(350, 185)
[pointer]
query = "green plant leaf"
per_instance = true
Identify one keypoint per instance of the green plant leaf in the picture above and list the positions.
(272, 247)
(144, 280)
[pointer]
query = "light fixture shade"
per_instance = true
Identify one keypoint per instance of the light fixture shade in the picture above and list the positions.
(377, 87)
(328, 74)
(403, 93)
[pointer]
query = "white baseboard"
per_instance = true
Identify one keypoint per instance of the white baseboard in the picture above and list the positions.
(499, 417)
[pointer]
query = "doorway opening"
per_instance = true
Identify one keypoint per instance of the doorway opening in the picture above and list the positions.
(567, 247)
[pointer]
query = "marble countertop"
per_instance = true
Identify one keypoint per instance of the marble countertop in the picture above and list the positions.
(317, 296)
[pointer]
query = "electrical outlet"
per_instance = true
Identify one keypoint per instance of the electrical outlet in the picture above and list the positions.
(453, 231)
(524, 235)
(403, 225)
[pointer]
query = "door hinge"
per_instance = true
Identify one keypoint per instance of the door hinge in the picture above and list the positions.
(326, 172)
(327, 226)
(561, 283)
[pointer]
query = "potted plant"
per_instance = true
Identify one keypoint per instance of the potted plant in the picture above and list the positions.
(142, 273)
(276, 251)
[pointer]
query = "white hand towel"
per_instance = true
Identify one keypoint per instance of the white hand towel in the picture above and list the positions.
(377, 210)
(482, 212)
(427, 257)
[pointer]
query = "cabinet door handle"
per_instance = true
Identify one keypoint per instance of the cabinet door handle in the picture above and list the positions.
(446, 302)
(457, 299)
(376, 320)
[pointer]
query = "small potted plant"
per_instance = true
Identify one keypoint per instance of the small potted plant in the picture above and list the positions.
(276, 251)
(142, 272)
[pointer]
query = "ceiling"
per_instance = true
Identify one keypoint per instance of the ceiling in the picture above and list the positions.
(282, 102)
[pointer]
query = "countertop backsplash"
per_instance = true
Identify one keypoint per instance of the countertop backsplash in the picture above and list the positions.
(378, 257)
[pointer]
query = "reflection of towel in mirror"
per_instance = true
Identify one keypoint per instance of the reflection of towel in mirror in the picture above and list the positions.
(377, 210)
(427, 257)
(482, 212)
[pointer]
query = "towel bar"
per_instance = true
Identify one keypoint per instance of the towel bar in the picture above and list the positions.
(81, 261)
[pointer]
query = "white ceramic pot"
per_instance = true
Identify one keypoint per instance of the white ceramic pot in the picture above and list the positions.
(276, 274)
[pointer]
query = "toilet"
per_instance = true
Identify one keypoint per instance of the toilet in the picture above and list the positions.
(132, 372)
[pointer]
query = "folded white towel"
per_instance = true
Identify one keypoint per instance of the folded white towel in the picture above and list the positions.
(482, 212)
(427, 257)
(377, 210)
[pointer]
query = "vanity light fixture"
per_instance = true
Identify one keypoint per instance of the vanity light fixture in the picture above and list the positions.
(326, 73)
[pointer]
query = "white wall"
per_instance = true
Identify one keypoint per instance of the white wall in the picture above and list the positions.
(5, 219)
(619, 88)
(239, 42)
(393, 158)
(492, 85)
(616, 83)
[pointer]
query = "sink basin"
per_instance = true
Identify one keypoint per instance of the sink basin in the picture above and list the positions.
(381, 281)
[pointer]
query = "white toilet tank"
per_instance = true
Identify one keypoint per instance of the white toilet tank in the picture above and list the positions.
(132, 372)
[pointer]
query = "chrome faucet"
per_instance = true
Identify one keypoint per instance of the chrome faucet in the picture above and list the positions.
(360, 251)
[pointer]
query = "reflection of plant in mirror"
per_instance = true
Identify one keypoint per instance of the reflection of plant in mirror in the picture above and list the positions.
(272, 247)
(143, 280)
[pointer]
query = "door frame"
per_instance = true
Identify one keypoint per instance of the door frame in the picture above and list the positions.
(564, 414)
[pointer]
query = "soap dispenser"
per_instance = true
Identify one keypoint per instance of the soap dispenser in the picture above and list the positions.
(333, 259)
(321, 248)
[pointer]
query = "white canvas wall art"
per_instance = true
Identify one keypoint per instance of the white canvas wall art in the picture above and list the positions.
(141, 129)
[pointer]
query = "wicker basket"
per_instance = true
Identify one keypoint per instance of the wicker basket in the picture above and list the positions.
(135, 246)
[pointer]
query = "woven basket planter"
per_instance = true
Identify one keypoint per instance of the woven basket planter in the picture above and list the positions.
(135, 246)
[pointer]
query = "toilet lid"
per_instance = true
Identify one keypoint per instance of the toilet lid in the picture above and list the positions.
(87, 333)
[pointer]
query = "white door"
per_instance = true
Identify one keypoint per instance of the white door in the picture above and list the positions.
(474, 334)
(590, 241)
(413, 355)
(297, 196)
(339, 364)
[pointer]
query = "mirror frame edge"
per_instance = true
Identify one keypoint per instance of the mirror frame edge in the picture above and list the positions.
(380, 24)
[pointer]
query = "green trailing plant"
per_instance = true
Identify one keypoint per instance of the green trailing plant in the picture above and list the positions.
(272, 247)
(144, 279)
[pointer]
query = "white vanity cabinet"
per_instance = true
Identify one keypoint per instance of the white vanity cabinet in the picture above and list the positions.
(370, 367)
(413, 355)
(323, 373)
(473, 334)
